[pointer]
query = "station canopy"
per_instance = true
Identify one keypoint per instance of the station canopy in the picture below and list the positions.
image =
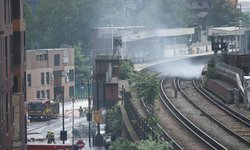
(133, 33)
(158, 33)
(226, 31)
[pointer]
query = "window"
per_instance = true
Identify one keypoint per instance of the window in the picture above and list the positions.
(45, 56)
(1, 55)
(6, 57)
(42, 94)
(41, 57)
(71, 75)
(71, 91)
(5, 12)
(48, 94)
(16, 49)
(1, 109)
(15, 87)
(57, 60)
(29, 80)
(59, 90)
(16, 10)
(42, 78)
(47, 77)
(7, 111)
(58, 74)
(37, 94)
(37, 58)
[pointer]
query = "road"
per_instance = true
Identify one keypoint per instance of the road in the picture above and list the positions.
(38, 130)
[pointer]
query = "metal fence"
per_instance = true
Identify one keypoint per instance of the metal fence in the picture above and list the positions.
(231, 68)
(141, 127)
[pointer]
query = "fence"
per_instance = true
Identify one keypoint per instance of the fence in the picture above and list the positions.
(142, 128)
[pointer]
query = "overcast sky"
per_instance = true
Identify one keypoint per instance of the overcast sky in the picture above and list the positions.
(244, 0)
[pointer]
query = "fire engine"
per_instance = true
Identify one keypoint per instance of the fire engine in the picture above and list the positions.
(42, 109)
(49, 147)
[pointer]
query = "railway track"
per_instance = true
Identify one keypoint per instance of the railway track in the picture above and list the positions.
(178, 126)
(213, 99)
(236, 131)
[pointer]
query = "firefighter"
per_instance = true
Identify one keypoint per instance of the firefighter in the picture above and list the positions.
(80, 112)
(48, 137)
(52, 137)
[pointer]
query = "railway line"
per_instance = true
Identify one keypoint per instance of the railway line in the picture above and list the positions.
(226, 129)
(175, 126)
(189, 124)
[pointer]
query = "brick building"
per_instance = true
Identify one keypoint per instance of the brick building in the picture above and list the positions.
(50, 73)
(12, 89)
(105, 83)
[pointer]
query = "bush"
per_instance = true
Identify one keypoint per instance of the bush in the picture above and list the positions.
(122, 144)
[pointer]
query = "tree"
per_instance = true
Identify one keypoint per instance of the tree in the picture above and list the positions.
(82, 70)
(67, 23)
(149, 144)
(147, 87)
(164, 13)
(114, 121)
(122, 144)
(221, 13)
(70, 22)
(126, 69)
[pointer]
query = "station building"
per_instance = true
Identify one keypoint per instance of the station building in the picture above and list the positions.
(139, 44)
(50, 74)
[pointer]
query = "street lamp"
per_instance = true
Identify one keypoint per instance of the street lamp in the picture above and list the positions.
(112, 34)
(89, 116)
(73, 120)
(63, 133)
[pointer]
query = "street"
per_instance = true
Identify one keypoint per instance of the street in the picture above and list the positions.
(36, 131)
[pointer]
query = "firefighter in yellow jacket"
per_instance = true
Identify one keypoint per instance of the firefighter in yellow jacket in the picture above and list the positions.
(50, 137)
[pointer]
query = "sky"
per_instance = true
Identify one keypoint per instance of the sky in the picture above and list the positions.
(244, 0)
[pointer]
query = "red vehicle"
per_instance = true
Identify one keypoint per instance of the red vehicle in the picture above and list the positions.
(49, 147)
(42, 109)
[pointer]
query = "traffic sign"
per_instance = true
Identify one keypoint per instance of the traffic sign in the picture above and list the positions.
(97, 116)
(80, 144)
(117, 41)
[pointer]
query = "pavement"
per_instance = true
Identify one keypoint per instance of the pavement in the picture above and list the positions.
(37, 129)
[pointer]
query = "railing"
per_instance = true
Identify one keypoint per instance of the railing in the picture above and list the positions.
(142, 128)
(231, 68)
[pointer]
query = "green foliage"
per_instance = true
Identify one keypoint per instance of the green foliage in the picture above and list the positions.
(126, 69)
(64, 24)
(164, 13)
(70, 21)
(82, 70)
(149, 144)
(122, 144)
(222, 13)
(211, 73)
(147, 87)
(114, 122)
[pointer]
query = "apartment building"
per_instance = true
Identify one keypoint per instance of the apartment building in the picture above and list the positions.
(50, 74)
(12, 89)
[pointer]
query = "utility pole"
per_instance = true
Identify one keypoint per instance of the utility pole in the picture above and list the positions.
(63, 133)
(239, 35)
(89, 115)
(98, 137)
(73, 120)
